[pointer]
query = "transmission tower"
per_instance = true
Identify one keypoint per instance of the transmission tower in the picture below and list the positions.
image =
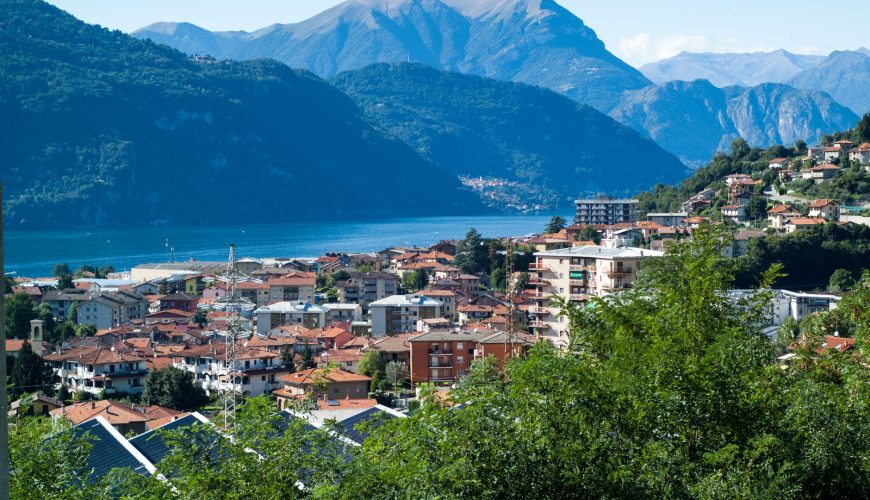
(233, 327)
(510, 291)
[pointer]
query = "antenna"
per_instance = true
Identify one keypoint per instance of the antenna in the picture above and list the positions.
(233, 307)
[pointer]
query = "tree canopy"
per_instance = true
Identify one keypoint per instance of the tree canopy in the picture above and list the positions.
(173, 388)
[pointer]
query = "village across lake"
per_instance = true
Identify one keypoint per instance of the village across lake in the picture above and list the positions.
(33, 253)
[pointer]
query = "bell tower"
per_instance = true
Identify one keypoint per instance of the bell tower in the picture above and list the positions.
(36, 336)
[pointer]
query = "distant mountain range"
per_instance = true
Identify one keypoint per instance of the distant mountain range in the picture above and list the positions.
(845, 75)
(531, 41)
(538, 42)
(103, 129)
(697, 118)
(725, 70)
(477, 126)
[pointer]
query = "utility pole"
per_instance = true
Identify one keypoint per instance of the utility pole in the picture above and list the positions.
(5, 464)
(509, 291)
(230, 361)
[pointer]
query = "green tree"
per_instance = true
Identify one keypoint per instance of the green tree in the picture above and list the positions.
(61, 269)
(73, 312)
(56, 468)
(556, 224)
(841, 280)
(497, 279)
(287, 359)
(370, 364)
(86, 330)
(756, 207)
(522, 282)
(862, 130)
(66, 330)
(65, 282)
(30, 373)
(588, 233)
(49, 325)
(10, 283)
(395, 372)
(173, 388)
(201, 317)
(20, 309)
(415, 280)
(307, 358)
(471, 253)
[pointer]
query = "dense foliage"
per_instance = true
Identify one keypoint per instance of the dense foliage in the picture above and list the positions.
(124, 131)
(480, 127)
(808, 257)
(173, 388)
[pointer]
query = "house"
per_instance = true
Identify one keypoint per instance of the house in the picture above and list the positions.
(179, 301)
(124, 418)
(741, 239)
(169, 316)
(798, 223)
(444, 246)
(254, 291)
(167, 270)
(816, 153)
(778, 163)
(101, 309)
(97, 369)
(396, 348)
(826, 209)
(399, 313)
(290, 313)
(346, 359)
(37, 404)
(736, 213)
(667, 219)
(778, 215)
(605, 211)
(334, 337)
(256, 370)
(860, 154)
(574, 274)
(469, 284)
(825, 172)
(448, 300)
(741, 189)
(331, 384)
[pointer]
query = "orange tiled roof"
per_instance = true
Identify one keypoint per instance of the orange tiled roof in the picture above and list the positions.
(312, 375)
(114, 413)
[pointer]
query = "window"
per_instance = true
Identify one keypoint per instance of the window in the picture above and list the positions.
(460, 359)
(263, 378)
(434, 374)
(335, 390)
(111, 368)
(459, 345)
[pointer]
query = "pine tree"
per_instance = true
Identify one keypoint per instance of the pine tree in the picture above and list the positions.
(30, 373)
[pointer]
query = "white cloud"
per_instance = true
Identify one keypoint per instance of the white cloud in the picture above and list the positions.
(643, 48)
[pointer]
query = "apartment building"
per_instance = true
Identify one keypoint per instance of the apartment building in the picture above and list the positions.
(574, 274)
(292, 287)
(604, 211)
(365, 288)
(257, 370)
(335, 385)
(101, 309)
(445, 357)
(290, 313)
(399, 313)
(96, 369)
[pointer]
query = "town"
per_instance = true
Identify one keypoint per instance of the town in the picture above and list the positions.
(354, 336)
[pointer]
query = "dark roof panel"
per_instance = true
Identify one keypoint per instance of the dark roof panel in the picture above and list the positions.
(109, 450)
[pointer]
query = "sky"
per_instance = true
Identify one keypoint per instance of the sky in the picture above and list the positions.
(638, 31)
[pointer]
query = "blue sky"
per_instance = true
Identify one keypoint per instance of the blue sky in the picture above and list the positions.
(638, 31)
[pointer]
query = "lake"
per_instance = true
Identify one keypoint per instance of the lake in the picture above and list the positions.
(34, 253)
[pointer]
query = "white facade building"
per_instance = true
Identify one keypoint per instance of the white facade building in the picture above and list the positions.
(400, 313)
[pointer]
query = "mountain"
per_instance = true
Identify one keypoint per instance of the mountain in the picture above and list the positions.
(530, 41)
(724, 70)
(843, 74)
(696, 119)
(104, 129)
(476, 126)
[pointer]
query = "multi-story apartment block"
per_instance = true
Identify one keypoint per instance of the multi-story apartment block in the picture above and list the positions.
(293, 287)
(448, 300)
(574, 274)
(334, 384)
(603, 211)
(96, 369)
(399, 313)
(290, 313)
(257, 370)
(443, 356)
(101, 309)
(365, 288)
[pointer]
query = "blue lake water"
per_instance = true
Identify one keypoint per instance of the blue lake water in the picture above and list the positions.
(34, 253)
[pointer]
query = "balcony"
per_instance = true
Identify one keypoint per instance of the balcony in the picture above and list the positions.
(575, 282)
(539, 324)
(540, 295)
(539, 310)
(537, 281)
(576, 267)
(582, 297)
(618, 271)
(440, 365)
(440, 353)
(537, 266)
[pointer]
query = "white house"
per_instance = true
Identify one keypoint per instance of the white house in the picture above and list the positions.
(257, 370)
(290, 313)
(399, 313)
(94, 369)
(826, 209)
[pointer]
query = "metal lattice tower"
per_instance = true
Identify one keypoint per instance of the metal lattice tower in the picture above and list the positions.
(510, 291)
(231, 395)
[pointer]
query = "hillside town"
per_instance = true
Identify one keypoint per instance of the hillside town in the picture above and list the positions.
(360, 334)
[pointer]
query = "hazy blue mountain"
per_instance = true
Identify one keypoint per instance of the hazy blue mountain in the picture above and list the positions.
(843, 74)
(482, 127)
(531, 41)
(695, 119)
(100, 128)
(724, 70)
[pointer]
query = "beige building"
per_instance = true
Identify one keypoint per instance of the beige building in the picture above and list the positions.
(575, 274)
(603, 211)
